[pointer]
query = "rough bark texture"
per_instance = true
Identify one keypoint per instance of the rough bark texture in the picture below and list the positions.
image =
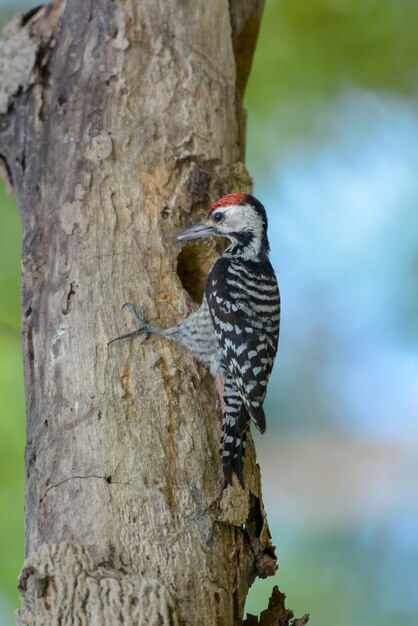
(120, 123)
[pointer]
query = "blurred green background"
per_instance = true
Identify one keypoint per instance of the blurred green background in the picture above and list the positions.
(333, 147)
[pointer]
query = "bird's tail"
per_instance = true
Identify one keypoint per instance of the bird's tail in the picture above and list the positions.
(236, 421)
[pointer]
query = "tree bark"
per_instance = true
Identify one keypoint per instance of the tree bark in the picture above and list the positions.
(120, 123)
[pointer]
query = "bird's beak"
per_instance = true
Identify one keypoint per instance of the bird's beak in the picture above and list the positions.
(195, 232)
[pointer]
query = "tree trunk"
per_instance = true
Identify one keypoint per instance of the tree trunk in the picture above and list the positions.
(120, 123)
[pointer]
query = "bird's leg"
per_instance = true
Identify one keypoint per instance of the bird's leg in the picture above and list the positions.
(141, 325)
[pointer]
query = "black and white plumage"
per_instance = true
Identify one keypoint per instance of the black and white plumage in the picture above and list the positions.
(235, 331)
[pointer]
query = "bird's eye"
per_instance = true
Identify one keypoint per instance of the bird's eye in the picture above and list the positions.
(218, 218)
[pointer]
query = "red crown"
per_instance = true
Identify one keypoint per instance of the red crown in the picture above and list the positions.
(231, 199)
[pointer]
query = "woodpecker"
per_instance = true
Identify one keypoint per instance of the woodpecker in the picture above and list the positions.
(235, 330)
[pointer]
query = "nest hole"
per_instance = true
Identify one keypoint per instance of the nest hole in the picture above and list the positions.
(193, 265)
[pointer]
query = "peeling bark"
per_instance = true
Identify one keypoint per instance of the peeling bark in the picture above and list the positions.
(120, 122)
(276, 614)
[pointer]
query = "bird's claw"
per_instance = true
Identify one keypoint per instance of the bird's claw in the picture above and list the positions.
(141, 325)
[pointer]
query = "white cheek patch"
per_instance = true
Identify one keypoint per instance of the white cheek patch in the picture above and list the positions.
(243, 217)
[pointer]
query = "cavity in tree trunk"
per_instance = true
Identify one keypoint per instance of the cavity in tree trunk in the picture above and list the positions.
(120, 123)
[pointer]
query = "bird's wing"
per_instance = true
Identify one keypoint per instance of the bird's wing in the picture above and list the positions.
(246, 314)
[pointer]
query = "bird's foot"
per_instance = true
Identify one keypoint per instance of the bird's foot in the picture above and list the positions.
(141, 325)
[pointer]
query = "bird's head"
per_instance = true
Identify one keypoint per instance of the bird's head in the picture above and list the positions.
(238, 216)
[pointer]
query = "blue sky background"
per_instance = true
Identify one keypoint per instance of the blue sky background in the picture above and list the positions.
(343, 222)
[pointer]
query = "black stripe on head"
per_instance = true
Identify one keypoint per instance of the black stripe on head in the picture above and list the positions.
(244, 238)
(259, 208)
